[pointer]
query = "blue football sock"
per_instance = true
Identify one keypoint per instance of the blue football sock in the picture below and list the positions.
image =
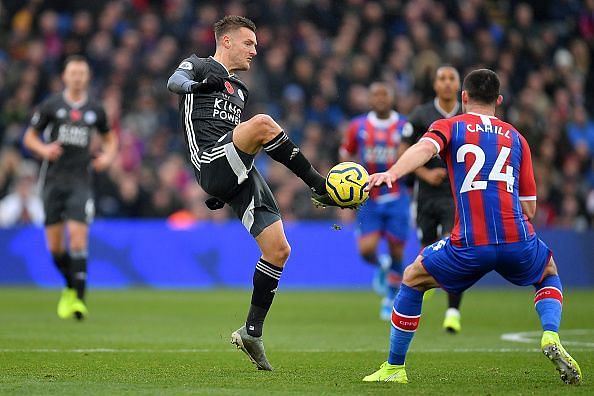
(548, 302)
(405, 320)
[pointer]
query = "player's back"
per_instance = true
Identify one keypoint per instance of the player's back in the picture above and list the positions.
(490, 171)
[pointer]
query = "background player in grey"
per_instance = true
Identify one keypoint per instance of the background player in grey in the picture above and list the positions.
(435, 205)
(67, 120)
(222, 151)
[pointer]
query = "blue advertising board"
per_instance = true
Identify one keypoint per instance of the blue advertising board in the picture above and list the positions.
(130, 253)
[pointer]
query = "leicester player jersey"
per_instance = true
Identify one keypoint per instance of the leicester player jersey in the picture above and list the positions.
(207, 117)
(421, 118)
(376, 142)
(490, 170)
(72, 125)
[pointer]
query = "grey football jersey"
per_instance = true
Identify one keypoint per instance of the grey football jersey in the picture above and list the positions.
(207, 117)
(421, 119)
(72, 125)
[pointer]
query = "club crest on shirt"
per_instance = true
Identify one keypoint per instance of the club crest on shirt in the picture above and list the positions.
(240, 93)
(90, 117)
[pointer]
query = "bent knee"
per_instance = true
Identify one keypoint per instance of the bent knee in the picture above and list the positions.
(410, 273)
(265, 127)
(367, 250)
(550, 268)
(416, 277)
(284, 252)
(78, 243)
(263, 121)
(280, 254)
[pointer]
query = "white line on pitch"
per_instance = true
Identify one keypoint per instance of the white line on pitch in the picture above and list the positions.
(531, 337)
(199, 350)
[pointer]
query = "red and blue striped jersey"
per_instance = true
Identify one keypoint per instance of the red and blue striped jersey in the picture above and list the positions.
(376, 142)
(490, 170)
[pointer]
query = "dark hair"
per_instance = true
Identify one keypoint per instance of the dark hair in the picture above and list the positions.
(232, 22)
(482, 85)
(75, 58)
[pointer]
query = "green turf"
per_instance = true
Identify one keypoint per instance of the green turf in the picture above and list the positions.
(177, 342)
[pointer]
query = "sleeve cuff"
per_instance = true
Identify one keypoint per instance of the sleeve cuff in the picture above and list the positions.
(434, 143)
(528, 198)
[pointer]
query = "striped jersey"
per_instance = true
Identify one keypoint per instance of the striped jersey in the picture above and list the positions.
(490, 170)
(376, 142)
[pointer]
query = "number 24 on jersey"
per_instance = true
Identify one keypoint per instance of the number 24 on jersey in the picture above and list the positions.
(496, 174)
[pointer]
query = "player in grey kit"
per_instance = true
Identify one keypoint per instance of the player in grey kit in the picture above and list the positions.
(67, 120)
(435, 205)
(222, 151)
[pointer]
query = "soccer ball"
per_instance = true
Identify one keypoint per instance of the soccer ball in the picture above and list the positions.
(346, 184)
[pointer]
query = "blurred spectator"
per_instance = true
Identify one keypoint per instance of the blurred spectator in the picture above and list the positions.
(23, 206)
(581, 133)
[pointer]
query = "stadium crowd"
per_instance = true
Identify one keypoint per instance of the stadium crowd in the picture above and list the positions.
(315, 61)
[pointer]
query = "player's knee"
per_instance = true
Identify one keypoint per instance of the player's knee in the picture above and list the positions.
(550, 268)
(366, 250)
(263, 121)
(78, 243)
(265, 127)
(413, 275)
(408, 275)
(396, 251)
(282, 253)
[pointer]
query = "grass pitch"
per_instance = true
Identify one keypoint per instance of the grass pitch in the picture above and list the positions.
(177, 342)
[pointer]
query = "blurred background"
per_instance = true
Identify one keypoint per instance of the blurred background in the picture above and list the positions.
(315, 60)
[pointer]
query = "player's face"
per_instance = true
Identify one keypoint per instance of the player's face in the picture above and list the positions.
(380, 99)
(76, 76)
(447, 83)
(242, 48)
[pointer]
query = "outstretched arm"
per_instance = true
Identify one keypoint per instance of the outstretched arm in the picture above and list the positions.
(411, 159)
(180, 82)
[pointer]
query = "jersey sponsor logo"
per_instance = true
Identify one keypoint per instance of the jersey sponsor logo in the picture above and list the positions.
(548, 292)
(240, 93)
(61, 113)
(227, 111)
(379, 154)
(73, 135)
(185, 65)
(90, 117)
(407, 323)
(229, 87)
